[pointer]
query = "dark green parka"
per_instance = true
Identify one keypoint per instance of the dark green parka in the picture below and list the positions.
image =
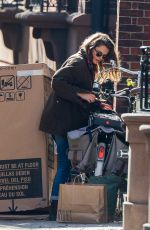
(65, 111)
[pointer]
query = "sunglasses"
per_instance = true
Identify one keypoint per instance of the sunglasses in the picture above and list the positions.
(100, 54)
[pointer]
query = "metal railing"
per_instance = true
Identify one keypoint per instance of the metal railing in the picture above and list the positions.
(69, 6)
(11, 4)
(145, 79)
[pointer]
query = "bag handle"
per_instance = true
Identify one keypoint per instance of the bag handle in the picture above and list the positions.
(89, 133)
(82, 177)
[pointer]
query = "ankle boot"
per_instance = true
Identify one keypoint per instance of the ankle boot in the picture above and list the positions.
(53, 210)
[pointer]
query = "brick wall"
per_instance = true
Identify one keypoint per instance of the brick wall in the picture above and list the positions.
(134, 29)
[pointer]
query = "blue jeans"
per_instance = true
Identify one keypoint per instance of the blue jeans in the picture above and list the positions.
(63, 165)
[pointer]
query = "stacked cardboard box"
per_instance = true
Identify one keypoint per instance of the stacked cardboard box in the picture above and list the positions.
(24, 162)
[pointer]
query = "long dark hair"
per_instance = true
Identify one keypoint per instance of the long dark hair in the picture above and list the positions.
(98, 39)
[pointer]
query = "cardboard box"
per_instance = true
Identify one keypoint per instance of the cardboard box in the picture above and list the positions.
(24, 176)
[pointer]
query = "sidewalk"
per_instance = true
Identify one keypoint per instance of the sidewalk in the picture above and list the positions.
(53, 225)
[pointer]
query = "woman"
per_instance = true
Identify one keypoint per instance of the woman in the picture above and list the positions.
(68, 105)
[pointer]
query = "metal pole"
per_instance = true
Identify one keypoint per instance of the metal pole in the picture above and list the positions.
(117, 44)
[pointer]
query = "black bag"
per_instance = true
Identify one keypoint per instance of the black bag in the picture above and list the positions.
(109, 120)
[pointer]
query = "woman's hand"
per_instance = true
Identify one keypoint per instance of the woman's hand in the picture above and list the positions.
(106, 106)
(89, 97)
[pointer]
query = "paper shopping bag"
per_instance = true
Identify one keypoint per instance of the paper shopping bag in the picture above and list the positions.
(82, 203)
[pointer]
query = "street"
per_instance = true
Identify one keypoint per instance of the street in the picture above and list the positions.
(53, 225)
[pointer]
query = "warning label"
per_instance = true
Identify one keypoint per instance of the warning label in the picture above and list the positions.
(20, 96)
(10, 96)
(2, 97)
(12, 87)
(24, 82)
(20, 178)
(7, 82)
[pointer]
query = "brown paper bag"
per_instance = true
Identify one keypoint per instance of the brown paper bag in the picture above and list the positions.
(82, 203)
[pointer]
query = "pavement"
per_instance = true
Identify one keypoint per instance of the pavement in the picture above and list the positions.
(53, 225)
